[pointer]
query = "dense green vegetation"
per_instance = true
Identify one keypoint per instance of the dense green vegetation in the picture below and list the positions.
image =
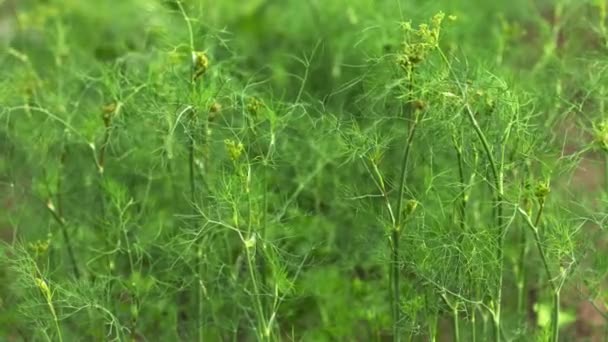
(282, 170)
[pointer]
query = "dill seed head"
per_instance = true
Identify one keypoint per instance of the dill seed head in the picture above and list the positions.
(40, 247)
(235, 150)
(200, 64)
(376, 156)
(419, 105)
(107, 112)
(438, 19)
(424, 40)
(109, 108)
(601, 135)
(254, 106)
(215, 107)
(214, 110)
(542, 190)
(44, 288)
(250, 243)
(410, 207)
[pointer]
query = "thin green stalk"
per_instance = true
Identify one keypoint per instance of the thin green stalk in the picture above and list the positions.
(200, 288)
(498, 190)
(484, 329)
(100, 160)
(394, 276)
(396, 232)
(66, 237)
(556, 289)
(191, 166)
(499, 194)
(250, 244)
(71, 255)
(454, 308)
(48, 297)
(188, 24)
(523, 243)
(521, 277)
(262, 263)
(455, 323)
(393, 269)
(461, 223)
(463, 188)
(541, 250)
(555, 317)
(432, 321)
(474, 325)
(125, 234)
(264, 332)
(55, 321)
(404, 162)
(64, 231)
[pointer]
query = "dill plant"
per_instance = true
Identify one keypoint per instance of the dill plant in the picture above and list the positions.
(195, 170)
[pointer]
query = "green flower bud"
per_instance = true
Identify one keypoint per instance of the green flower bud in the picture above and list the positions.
(235, 150)
(254, 106)
(410, 207)
(601, 135)
(542, 190)
(200, 64)
(44, 288)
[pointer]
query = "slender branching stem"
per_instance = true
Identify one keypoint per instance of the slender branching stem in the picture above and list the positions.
(199, 287)
(59, 217)
(463, 189)
(461, 218)
(551, 280)
(57, 214)
(455, 320)
(398, 226)
(498, 191)
(521, 276)
(395, 283)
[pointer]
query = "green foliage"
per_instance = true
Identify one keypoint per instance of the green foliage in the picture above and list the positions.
(302, 170)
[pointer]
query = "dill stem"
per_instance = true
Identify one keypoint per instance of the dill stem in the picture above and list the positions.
(200, 290)
(191, 147)
(498, 190)
(474, 325)
(555, 317)
(455, 322)
(463, 188)
(66, 237)
(55, 320)
(395, 283)
(454, 308)
(461, 222)
(551, 280)
(396, 231)
(521, 277)
(264, 330)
